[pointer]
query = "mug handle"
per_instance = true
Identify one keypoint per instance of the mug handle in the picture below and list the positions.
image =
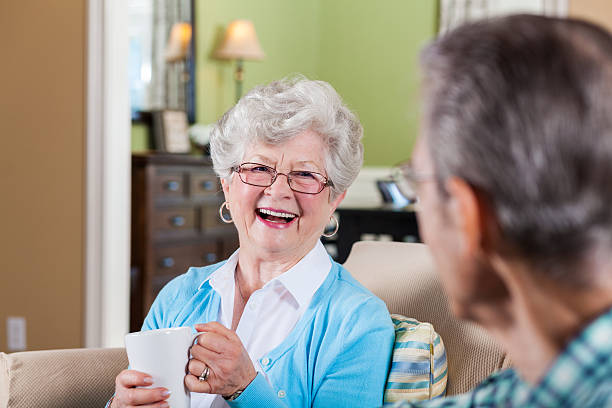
(194, 338)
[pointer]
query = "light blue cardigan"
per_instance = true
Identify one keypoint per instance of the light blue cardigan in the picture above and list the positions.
(338, 354)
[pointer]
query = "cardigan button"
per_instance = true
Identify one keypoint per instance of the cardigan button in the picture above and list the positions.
(265, 361)
(282, 394)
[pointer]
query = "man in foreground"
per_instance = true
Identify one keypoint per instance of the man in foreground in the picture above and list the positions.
(513, 170)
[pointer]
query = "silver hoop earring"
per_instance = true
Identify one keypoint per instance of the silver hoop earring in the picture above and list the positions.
(333, 217)
(225, 220)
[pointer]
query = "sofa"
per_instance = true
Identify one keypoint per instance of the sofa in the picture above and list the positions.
(402, 274)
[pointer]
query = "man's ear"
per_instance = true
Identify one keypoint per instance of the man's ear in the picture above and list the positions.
(465, 210)
(475, 216)
(478, 238)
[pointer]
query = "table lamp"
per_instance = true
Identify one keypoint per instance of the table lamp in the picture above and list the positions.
(240, 43)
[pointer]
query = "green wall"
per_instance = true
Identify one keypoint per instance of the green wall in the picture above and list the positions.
(287, 30)
(367, 50)
(140, 137)
(369, 53)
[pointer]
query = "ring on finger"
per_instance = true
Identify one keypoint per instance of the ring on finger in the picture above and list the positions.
(205, 374)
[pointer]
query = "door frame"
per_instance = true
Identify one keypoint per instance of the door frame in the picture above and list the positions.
(107, 176)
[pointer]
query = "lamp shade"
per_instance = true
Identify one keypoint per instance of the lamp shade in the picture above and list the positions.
(240, 42)
(178, 43)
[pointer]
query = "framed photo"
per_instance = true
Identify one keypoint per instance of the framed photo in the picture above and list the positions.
(171, 131)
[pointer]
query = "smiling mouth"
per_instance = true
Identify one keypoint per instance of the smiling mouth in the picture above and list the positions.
(279, 217)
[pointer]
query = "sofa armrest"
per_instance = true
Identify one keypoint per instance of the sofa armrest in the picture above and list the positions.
(60, 378)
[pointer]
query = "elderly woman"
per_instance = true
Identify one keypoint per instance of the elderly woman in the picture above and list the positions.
(282, 324)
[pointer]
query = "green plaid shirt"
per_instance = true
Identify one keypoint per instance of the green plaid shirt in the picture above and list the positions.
(580, 377)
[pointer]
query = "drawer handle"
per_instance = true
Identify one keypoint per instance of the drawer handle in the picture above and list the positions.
(177, 221)
(167, 262)
(208, 185)
(210, 257)
(173, 185)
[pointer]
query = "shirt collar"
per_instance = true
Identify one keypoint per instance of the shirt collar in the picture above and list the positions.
(302, 280)
(305, 277)
(224, 274)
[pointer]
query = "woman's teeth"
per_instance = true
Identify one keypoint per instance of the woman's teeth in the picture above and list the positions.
(275, 216)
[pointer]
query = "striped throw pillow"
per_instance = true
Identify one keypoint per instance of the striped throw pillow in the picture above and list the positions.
(418, 368)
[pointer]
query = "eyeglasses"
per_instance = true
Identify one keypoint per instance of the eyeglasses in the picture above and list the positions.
(407, 178)
(300, 181)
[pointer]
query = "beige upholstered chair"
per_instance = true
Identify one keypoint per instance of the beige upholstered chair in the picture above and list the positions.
(59, 378)
(403, 275)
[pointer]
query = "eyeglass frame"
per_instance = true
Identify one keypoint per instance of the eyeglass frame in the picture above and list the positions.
(406, 172)
(328, 183)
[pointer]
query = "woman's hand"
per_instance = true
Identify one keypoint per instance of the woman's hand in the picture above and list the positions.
(127, 395)
(230, 367)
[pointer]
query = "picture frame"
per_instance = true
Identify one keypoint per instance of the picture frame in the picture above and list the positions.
(170, 131)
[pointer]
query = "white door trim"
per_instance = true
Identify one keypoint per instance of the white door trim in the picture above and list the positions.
(107, 179)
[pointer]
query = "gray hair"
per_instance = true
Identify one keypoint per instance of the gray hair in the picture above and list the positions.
(521, 109)
(281, 110)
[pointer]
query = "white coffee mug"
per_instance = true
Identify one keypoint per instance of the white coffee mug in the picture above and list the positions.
(164, 355)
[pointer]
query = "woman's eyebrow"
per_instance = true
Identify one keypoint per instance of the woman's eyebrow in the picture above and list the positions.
(309, 163)
(258, 158)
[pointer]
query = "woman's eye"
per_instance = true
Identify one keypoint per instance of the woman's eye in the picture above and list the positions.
(304, 174)
(260, 169)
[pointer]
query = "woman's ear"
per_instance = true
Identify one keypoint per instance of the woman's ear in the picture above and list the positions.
(225, 187)
(336, 202)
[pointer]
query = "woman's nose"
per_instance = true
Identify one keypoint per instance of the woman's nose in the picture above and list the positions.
(280, 185)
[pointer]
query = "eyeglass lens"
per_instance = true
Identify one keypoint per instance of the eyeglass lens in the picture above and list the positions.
(299, 181)
(404, 177)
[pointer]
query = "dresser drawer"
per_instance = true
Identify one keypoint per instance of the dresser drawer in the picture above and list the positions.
(167, 183)
(203, 185)
(174, 221)
(175, 260)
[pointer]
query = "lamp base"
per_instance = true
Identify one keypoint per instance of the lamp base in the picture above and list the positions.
(238, 77)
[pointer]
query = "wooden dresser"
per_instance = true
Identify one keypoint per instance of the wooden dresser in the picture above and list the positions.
(175, 224)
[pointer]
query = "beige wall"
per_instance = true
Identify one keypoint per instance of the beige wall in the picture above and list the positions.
(42, 108)
(599, 11)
